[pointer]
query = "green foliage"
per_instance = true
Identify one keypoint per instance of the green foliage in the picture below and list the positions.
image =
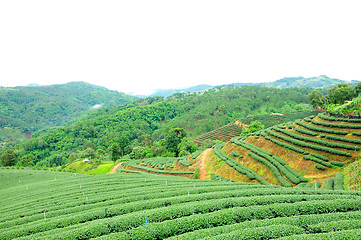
(35, 108)
(254, 126)
(196, 154)
(316, 99)
(196, 113)
(270, 120)
(215, 177)
(184, 161)
(338, 182)
(196, 173)
(328, 118)
(317, 160)
(318, 141)
(27, 160)
(115, 152)
(319, 156)
(138, 153)
(305, 131)
(329, 184)
(237, 166)
(340, 93)
(173, 138)
(236, 154)
(110, 209)
(337, 125)
(276, 164)
(320, 167)
(154, 170)
(186, 147)
(337, 163)
(320, 129)
(9, 158)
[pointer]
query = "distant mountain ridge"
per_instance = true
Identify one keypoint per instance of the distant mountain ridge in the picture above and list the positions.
(321, 81)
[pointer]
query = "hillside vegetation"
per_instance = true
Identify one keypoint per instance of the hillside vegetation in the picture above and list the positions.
(146, 122)
(53, 205)
(37, 107)
(311, 150)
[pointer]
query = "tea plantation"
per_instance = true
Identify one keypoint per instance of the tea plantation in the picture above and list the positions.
(138, 205)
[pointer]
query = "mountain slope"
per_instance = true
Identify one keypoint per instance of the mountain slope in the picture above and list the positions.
(311, 153)
(197, 113)
(37, 107)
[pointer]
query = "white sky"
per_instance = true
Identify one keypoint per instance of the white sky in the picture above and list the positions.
(137, 46)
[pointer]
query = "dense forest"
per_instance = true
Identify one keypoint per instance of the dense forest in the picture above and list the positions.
(146, 127)
(33, 108)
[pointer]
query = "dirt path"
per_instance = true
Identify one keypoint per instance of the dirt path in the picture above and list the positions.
(114, 169)
(202, 167)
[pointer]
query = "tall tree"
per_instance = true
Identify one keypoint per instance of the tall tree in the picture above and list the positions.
(316, 99)
(115, 151)
(9, 158)
(173, 138)
(123, 143)
(340, 93)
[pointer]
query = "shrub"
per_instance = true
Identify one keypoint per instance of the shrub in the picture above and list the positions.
(337, 163)
(338, 182)
(329, 184)
(196, 173)
(320, 167)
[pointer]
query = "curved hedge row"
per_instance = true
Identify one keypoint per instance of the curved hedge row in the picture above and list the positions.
(320, 157)
(337, 138)
(309, 145)
(196, 154)
(320, 167)
(184, 161)
(283, 144)
(274, 170)
(315, 128)
(153, 170)
(328, 118)
(336, 125)
(318, 141)
(337, 163)
(307, 157)
(275, 161)
(305, 131)
(215, 177)
(236, 165)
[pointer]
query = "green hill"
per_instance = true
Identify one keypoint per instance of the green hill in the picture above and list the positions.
(56, 205)
(33, 108)
(152, 118)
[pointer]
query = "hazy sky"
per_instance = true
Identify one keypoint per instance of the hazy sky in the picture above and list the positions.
(137, 46)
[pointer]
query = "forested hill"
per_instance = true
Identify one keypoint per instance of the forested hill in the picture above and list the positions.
(36, 107)
(318, 82)
(196, 113)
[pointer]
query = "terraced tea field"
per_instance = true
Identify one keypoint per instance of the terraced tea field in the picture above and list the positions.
(56, 205)
(223, 134)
